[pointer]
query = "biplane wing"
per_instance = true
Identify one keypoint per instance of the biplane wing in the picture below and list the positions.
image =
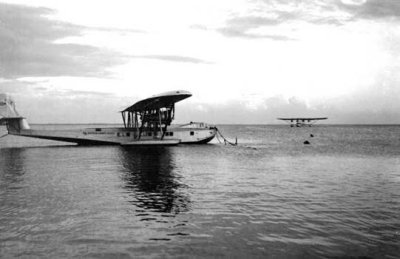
(164, 100)
(154, 113)
(303, 119)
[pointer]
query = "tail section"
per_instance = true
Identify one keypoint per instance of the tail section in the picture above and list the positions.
(10, 117)
(15, 125)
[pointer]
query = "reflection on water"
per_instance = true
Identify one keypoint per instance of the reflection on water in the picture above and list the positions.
(11, 167)
(153, 180)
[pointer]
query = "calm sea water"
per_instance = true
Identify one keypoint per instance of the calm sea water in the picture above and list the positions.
(270, 197)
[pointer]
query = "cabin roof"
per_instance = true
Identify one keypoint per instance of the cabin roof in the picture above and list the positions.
(158, 101)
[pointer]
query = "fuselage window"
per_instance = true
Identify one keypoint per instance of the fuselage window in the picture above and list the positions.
(98, 129)
(128, 134)
(191, 133)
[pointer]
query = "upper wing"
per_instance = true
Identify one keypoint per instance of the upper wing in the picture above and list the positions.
(302, 119)
(158, 101)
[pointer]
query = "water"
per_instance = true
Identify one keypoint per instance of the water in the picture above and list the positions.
(270, 197)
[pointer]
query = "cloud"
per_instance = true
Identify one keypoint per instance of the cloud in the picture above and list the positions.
(173, 58)
(243, 112)
(377, 105)
(372, 9)
(266, 14)
(28, 46)
(110, 29)
(62, 106)
(14, 86)
(242, 31)
(241, 26)
(87, 94)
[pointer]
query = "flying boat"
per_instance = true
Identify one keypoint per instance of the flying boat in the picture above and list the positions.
(300, 122)
(145, 123)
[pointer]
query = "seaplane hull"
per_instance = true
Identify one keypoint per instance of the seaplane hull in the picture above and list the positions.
(122, 136)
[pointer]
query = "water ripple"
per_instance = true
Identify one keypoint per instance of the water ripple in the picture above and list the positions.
(337, 198)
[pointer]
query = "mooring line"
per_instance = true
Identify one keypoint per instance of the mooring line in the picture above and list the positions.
(225, 139)
(218, 137)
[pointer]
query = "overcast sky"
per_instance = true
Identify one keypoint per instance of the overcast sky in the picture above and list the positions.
(248, 61)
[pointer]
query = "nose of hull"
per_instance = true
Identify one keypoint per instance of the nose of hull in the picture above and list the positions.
(206, 140)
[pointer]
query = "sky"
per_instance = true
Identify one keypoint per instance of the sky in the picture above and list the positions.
(245, 62)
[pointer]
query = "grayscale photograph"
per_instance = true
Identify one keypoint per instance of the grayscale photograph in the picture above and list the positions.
(200, 129)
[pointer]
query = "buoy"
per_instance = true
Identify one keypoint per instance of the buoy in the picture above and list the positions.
(311, 135)
(306, 142)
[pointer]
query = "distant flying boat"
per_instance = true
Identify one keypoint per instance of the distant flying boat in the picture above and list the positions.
(146, 122)
(300, 122)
